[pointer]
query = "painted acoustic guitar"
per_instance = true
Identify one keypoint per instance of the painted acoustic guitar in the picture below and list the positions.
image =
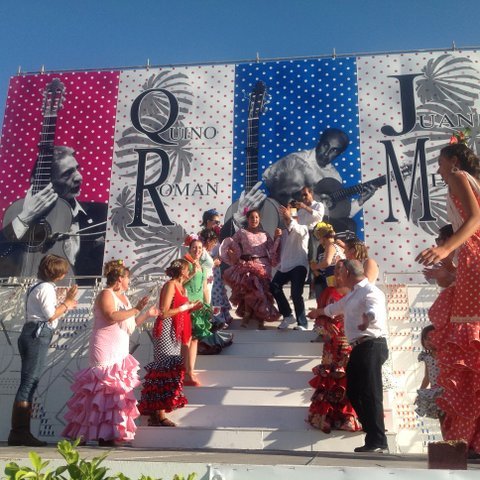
(269, 213)
(39, 239)
(337, 198)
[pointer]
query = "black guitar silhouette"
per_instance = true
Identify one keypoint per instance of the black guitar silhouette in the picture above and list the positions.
(38, 239)
(269, 215)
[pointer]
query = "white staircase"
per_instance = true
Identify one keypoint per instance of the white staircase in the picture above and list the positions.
(254, 396)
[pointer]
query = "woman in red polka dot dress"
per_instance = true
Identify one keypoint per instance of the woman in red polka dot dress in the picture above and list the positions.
(456, 313)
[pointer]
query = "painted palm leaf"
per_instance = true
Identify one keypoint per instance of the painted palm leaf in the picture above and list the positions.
(438, 207)
(154, 112)
(449, 77)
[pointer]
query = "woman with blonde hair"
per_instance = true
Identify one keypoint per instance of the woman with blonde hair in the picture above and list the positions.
(103, 405)
(328, 255)
(330, 407)
(355, 249)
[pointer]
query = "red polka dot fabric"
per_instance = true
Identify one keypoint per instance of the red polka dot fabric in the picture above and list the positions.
(456, 317)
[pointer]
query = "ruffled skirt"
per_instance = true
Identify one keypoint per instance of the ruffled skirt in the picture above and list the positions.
(201, 322)
(426, 402)
(458, 357)
(330, 407)
(220, 297)
(163, 383)
(103, 404)
(250, 286)
(162, 389)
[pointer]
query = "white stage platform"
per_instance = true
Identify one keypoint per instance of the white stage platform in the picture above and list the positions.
(254, 465)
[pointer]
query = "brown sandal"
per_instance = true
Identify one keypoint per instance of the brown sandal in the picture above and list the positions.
(160, 422)
(165, 422)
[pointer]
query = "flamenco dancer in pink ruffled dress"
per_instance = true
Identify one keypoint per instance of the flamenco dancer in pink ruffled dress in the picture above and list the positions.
(250, 253)
(456, 313)
(103, 406)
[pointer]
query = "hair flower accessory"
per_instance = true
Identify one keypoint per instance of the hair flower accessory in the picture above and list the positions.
(177, 264)
(120, 262)
(189, 239)
(245, 211)
(461, 136)
(323, 229)
(323, 226)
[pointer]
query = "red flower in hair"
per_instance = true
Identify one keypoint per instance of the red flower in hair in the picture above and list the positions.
(189, 239)
(460, 137)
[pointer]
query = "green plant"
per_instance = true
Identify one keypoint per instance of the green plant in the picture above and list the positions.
(76, 468)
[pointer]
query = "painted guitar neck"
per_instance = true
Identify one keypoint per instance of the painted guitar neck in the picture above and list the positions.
(357, 189)
(43, 170)
(251, 173)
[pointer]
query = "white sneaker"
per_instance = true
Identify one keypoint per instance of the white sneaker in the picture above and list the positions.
(300, 327)
(286, 322)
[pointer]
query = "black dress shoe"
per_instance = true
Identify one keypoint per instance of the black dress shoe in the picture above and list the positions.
(366, 449)
(473, 455)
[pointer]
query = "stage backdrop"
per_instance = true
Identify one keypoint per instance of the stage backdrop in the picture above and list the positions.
(161, 145)
(151, 149)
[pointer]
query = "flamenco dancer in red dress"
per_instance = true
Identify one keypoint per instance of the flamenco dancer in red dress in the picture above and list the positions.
(330, 408)
(456, 312)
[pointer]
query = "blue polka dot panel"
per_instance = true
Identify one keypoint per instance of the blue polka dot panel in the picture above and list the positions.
(304, 106)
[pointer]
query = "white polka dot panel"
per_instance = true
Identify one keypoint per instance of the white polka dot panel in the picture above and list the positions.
(409, 106)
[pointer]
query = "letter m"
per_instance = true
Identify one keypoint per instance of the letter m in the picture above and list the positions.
(406, 198)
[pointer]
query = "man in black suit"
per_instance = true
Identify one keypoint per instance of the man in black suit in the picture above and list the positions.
(82, 244)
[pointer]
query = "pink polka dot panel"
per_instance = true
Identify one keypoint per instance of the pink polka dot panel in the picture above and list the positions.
(84, 120)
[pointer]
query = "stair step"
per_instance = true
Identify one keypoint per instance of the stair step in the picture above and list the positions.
(243, 416)
(247, 416)
(250, 439)
(274, 349)
(245, 378)
(252, 363)
(275, 336)
(249, 396)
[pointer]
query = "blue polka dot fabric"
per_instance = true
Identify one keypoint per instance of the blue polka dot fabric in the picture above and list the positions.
(303, 98)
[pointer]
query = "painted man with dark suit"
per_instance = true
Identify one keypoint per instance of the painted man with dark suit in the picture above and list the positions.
(83, 242)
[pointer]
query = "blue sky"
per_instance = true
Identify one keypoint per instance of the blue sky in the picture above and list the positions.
(94, 34)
